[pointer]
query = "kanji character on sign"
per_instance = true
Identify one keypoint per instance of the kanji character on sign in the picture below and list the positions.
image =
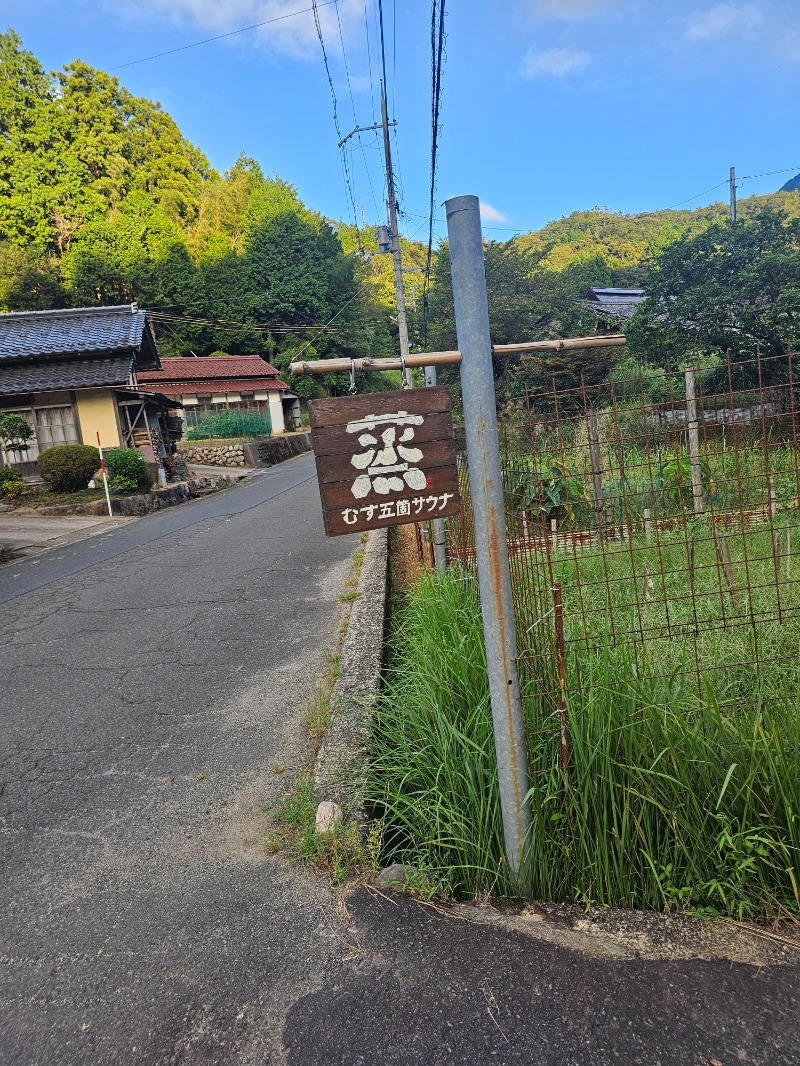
(387, 459)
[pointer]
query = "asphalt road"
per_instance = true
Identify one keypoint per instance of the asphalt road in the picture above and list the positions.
(153, 685)
(153, 681)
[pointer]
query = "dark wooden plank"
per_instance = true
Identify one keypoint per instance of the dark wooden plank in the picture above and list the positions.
(336, 525)
(338, 410)
(332, 468)
(331, 440)
(339, 494)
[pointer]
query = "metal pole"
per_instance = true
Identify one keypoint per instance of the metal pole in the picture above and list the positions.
(394, 236)
(488, 506)
(733, 194)
(439, 527)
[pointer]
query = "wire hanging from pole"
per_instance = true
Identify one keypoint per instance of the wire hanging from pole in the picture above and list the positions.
(345, 168)
(437, 49)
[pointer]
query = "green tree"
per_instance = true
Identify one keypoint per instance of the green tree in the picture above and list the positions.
(732, 288)
(29, 279)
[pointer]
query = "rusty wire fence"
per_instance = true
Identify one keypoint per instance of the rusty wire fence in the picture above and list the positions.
(653, 540)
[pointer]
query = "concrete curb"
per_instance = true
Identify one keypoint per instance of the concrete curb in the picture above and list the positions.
(339, 768)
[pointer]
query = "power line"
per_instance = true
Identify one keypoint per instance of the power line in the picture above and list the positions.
(345, 169)
(769, 173)
(222, 36)
(322, 330)
(369, 63)
(228, 325)
(437, 47)
(689, 200)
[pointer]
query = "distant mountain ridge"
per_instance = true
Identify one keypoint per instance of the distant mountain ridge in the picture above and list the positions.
(792, 185)
(614, 248)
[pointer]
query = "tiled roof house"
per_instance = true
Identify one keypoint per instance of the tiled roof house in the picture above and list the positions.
(74, 373)
(613, 306)
(211, 383)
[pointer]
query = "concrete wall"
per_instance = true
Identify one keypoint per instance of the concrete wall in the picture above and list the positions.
(276, 449)
(97, 412)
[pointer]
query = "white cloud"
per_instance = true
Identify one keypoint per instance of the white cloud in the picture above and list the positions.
(570, 9)
(491, 214)
(285, 32)
(556, 63)
(724, 22)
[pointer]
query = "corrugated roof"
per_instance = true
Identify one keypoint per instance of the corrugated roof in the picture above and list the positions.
(44, 375)
(29, 334)
(210, 367)
(214, 385)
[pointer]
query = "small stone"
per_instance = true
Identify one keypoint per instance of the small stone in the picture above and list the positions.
(398, 877)
(329, 815)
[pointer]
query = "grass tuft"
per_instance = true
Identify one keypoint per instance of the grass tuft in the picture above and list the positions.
(673, 800)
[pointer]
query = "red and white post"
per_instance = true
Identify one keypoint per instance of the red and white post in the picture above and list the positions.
(105, 475)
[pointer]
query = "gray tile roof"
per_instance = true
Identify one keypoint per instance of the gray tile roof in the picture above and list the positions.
(615, 304)
(30, 334)
(46, 375)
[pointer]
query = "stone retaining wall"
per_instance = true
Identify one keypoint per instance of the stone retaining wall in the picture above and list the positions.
(277, 449)
(212, 455)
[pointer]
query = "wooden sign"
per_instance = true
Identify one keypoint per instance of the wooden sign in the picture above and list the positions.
(385, 458)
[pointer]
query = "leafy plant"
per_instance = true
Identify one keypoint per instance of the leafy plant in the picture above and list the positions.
(68, 467)
(127, 470)
(15, 432)
(553, 495)
(231, 423)
(675, 479)
(12, 484)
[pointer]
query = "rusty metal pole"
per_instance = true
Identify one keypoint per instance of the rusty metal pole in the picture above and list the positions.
(488, 507)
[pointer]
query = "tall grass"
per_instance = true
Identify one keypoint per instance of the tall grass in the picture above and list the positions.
(673, 798)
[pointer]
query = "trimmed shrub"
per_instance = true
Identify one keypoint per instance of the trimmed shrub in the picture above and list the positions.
(68, 467)
(128, 470)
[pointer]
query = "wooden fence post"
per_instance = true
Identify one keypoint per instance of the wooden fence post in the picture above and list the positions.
(596, 458)
(694, 442)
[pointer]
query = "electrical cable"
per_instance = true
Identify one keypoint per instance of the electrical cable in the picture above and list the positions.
(222, 36)
(342, 308)
(345, 169)
(437, 47)
(689, 200)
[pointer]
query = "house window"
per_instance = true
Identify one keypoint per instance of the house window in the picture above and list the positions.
(56, 425)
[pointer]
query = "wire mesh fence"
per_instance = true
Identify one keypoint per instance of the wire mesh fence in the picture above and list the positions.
(653, 533)
(205, 424)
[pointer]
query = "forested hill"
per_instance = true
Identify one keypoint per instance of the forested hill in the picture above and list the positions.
(103, 201)
(620, 246)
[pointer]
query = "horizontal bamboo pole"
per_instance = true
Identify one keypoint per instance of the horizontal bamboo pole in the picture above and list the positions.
(613, 340)
(332, 366)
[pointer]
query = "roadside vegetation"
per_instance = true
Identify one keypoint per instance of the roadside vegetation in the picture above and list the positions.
(348, 850)
(671, 801)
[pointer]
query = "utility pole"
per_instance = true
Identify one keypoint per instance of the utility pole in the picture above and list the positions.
(439, 535)
(394, 236)
(733, 194)
(488, 508)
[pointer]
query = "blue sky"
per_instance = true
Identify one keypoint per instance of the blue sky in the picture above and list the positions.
(549, 106)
